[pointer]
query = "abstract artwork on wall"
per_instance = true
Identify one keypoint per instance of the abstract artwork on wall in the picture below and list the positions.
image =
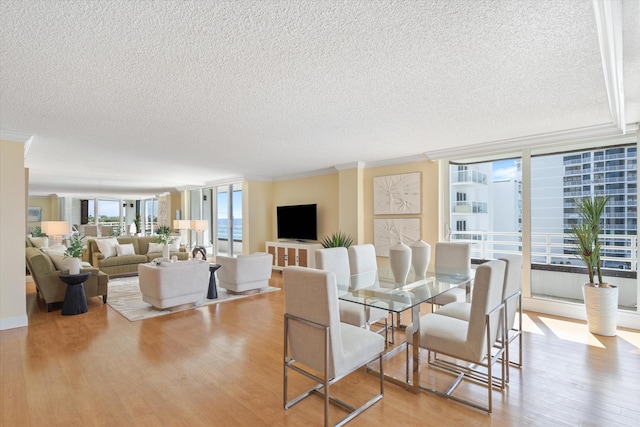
(34, 214)
(389, 232)
(396, 194)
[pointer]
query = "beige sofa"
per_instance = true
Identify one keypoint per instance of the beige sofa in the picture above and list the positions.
(127, 264)
(48, 283)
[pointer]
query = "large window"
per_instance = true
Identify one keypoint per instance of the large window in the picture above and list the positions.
(486, 206)
(229, 218)
(486, 210)
(557, 180)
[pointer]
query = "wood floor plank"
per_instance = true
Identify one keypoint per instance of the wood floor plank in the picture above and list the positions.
(222, 365)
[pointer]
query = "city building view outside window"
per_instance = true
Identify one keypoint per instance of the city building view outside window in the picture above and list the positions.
(486, 211)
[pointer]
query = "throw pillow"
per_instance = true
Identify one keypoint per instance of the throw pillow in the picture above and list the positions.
(39, 242)
(126, 249)
(175, 245)
(57, 256)
(107, 246)
(155, 248)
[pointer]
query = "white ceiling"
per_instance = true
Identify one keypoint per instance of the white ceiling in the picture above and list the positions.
(129, 98)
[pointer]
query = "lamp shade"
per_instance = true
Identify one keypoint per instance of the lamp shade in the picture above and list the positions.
(55, 228)
(181, 224)
(199, 224)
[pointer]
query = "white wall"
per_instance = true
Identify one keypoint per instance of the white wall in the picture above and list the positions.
(13, 304)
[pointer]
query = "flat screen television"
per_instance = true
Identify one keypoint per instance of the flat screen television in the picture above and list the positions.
(299, 222)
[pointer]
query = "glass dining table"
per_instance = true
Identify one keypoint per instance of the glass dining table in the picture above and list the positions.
(379, 289)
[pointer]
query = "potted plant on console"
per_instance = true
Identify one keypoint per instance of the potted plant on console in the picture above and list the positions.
(163, 235)
(600, 298)
(74, 253)
(337, 239)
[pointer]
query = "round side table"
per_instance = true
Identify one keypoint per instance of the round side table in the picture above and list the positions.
(213, 290)
(75, 300)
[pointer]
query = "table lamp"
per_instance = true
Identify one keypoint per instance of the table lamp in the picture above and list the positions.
(199, 225)
(55, 229)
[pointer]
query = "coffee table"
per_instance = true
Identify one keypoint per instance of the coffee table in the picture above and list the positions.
(75, 300)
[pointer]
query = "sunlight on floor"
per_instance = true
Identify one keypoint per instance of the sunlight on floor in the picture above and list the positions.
(570, 331)
(528, 325)
(632, 338)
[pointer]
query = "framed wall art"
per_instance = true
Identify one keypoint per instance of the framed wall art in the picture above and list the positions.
(389, 232)
(34, 214)
(397, 194)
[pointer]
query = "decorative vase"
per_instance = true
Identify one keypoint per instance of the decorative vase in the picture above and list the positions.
(400, 262)
(420, 257)
(74, 265)
(602, 309)
(165, 252)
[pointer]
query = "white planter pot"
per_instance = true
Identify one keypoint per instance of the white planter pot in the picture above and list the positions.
(165, 252)
(400, 262)
(74, 265)
(602, 309)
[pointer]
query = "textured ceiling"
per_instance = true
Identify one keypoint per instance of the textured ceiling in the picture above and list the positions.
(128, 97)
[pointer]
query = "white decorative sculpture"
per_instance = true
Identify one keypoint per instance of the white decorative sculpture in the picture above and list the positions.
(400, 262)
(420, 257)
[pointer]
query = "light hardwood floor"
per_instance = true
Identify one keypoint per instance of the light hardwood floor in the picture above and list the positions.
(221, 365)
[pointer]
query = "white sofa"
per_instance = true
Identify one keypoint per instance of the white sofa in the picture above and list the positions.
(174, 283)
(244, 273)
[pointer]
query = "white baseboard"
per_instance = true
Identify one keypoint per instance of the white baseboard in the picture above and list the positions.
(14, 322)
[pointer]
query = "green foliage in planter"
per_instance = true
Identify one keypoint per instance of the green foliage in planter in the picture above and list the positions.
(137, 222)
(75, 247)
(163, 235)
(337, 239)
(37, 232)
(586, 234)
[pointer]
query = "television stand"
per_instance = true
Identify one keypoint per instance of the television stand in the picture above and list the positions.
(292, 253)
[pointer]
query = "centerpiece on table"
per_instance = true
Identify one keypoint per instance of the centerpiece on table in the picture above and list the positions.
(163, 236)
(74, 253)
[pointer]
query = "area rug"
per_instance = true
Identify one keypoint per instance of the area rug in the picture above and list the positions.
(125, 298)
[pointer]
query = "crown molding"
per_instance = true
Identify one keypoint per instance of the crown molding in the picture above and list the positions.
(397, 161)
(25, 138)
(317, 172)
(351, 165)
(566, 136)
(609, 23)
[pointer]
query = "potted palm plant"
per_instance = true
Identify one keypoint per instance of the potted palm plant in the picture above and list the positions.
(600, 298)
(74, 252)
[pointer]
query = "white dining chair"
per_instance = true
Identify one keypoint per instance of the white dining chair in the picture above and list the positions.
(452, 257)
(469, 344)
(319, 346)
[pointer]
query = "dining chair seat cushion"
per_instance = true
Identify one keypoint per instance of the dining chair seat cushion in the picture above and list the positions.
(444, 334)
(358, 345)
(459, 310)
(451, 296)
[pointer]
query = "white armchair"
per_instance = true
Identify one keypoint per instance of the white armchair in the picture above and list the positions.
(173, 283)
(245, 273)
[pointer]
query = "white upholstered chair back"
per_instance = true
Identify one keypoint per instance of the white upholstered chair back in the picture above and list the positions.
(452, 256)
(487, 295)
(512, 285)
(362, 258)
(335, 260)
(312, 295)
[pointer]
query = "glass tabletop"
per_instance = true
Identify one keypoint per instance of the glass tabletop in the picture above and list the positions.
(379, 288)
